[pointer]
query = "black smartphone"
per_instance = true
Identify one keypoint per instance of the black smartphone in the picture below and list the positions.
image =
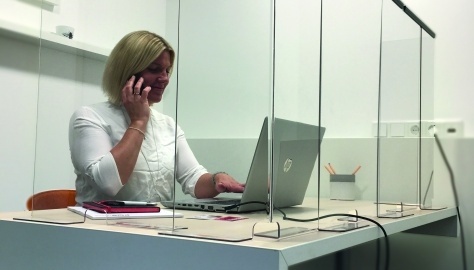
(137, 77)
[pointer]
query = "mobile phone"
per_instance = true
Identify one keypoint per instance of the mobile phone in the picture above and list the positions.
(137, 77)
(127, 203)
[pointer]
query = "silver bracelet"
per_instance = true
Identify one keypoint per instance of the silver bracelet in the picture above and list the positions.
(214, 177)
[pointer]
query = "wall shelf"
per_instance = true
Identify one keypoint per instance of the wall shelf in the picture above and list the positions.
(52, 41)
(52, 2)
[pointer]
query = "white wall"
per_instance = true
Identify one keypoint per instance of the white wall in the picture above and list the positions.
(224, 68)
(454, 59)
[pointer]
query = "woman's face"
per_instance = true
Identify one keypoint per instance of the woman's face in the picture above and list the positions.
(156, 75)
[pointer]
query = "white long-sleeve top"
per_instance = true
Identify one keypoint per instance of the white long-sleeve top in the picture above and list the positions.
(95, 129)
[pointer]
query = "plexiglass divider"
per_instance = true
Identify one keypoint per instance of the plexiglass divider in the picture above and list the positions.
(405, 145)
(427, 123)
(223, 89)
(349, 91)
(295, 131)
(52, 169)
(32, 34)
(398, 143)
(51, 122)
(427, 143)
(75, 45)
(19, 44)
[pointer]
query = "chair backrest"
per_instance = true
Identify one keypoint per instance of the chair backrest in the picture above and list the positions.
(51, 199)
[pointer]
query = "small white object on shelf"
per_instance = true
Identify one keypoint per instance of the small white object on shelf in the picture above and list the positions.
(52, 40)
(65, 30)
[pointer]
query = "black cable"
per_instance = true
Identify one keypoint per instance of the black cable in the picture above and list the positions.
(256, 202)
(337, 215)
(456, 200)
(427, 189)
(387, 251)
(387, 261)
(377, 256)
(227, 208)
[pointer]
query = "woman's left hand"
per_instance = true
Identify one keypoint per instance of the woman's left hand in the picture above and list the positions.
(226, 183)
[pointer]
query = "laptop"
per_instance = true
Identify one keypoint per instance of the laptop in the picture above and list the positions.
(296, 146)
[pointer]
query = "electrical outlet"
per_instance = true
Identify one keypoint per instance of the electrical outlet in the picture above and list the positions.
(452, 129)
(414, 129)
(402, 129)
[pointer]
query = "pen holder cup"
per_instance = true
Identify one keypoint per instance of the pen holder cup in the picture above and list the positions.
(342, 187)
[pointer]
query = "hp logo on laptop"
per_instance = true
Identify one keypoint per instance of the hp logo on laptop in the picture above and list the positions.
(287, 165)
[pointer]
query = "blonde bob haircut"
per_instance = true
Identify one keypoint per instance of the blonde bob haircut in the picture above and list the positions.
(132, 54)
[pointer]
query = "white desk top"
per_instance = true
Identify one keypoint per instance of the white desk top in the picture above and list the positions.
(294, 249)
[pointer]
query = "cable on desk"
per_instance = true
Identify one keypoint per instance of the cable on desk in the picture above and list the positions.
(387, 251)
(256, 202)
(240, 204)
(456, 200)
(427, 188)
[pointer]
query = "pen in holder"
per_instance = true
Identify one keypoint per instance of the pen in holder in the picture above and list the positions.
(342, 187)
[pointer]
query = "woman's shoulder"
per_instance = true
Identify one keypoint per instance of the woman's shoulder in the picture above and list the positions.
(98, 107)
(97, 110)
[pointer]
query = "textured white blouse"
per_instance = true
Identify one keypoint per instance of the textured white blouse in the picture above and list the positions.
(95, 129)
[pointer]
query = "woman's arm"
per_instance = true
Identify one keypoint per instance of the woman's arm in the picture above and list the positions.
(210, 185)
(207, 185)
(126, 151)
(92, 151)
(90, 145)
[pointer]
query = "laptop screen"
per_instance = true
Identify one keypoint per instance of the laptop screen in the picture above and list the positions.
(295, 148)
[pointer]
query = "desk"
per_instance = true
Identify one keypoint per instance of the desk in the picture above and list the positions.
(96, 245)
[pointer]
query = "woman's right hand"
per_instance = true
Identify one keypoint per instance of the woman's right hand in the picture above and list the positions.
(136, 105)
(126, 152)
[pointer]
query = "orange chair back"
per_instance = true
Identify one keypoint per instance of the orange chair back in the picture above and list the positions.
(51, 199)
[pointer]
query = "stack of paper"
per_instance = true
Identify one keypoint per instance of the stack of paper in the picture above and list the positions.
(164, 213)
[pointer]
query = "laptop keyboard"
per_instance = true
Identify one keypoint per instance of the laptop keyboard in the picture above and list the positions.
(226, 202)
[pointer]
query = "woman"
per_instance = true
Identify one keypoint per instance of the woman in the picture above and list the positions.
(123, 149)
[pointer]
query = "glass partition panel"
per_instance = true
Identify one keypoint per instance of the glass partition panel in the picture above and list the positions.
(349, 98)
(77, 128)
(294, 126)
(19, 43)
(399, 113)
(223, 86)
(427, 144)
